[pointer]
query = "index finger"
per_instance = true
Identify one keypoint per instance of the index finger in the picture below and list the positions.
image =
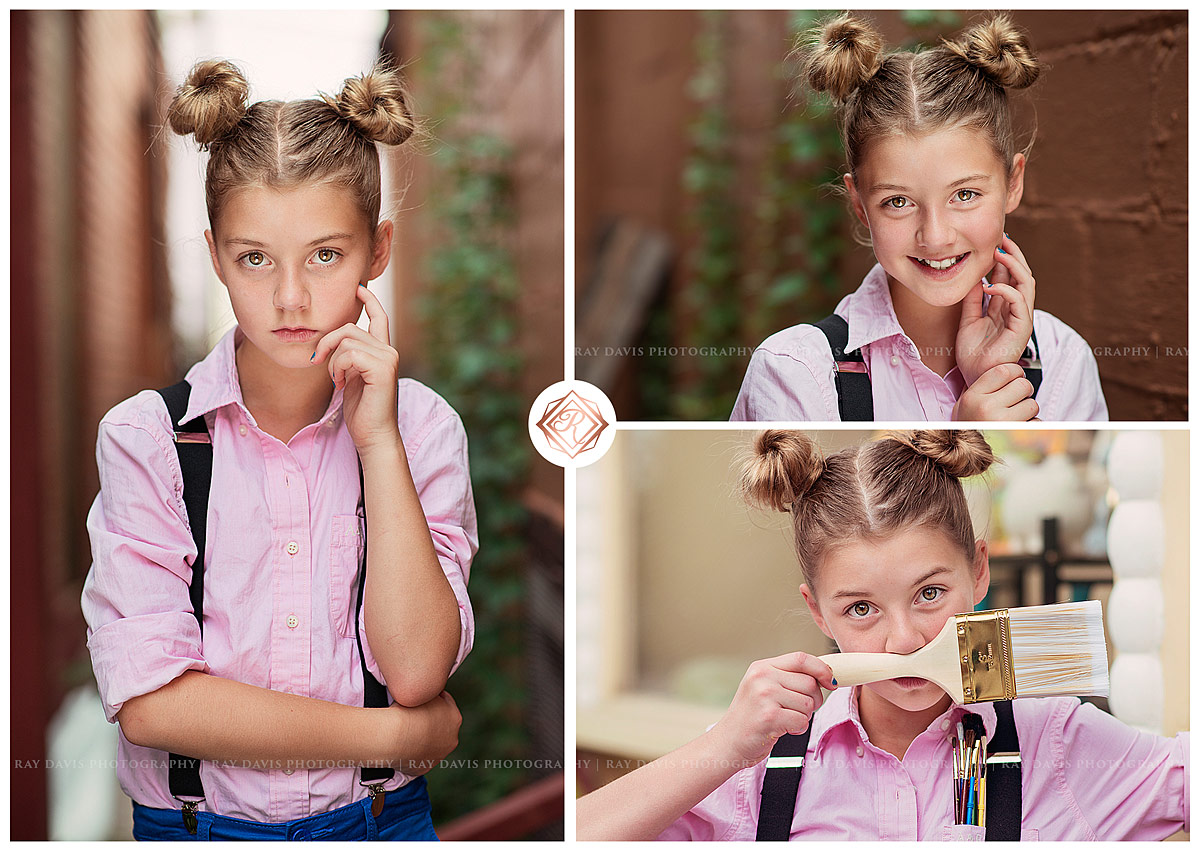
(798, 661)
(377, 318)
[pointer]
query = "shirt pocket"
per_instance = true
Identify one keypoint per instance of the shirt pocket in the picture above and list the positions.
(964, 832)
(346, 542)
(978, 832)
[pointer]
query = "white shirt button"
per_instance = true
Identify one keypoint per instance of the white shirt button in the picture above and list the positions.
(293, 622)
(860, 751)
(945, 724)
(292, 548)
(242, 430)
(895, 360)
(288, 771)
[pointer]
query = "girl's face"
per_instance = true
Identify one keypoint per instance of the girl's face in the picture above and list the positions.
(292, 260)
(893, 596)
(935, 206)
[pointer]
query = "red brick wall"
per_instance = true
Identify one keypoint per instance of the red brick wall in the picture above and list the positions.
(522, 70)
(1104, 220)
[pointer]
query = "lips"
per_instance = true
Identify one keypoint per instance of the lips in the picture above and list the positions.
(910, 682)
(943, 267)
(295, 335)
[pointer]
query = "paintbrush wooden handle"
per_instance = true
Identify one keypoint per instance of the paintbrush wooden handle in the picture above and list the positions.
(856, 668)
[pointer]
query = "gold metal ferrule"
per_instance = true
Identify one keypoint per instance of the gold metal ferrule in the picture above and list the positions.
(985, 656)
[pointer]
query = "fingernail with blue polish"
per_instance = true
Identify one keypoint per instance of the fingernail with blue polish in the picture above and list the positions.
(362, 283)
(312, 356)
(835, 681)
(1002, 251)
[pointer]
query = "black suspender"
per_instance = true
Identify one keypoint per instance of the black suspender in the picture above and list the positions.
(194, 448)
(850, 377)
(781, 785)
(1004, 777)
(781, 782)
(853, 383)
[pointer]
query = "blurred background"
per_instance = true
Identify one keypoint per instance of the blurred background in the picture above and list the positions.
(681, 585)
(704, 220)
(120, 297)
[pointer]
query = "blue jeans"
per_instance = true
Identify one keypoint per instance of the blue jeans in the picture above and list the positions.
(405, 817)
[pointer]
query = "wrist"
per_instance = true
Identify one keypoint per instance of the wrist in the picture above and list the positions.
(385, 449)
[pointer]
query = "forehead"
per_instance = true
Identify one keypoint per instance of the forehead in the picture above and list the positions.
(891, 563)
(291, 212)
(934, 159)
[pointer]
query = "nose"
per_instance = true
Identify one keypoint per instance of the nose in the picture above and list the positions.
(291, 293)
(935, 229)
(904, 636)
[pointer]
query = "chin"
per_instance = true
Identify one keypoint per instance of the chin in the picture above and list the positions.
(912, 700)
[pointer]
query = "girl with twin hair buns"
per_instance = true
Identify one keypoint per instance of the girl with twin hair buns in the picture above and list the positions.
(887, 554)
(945, 321)
(308, 699)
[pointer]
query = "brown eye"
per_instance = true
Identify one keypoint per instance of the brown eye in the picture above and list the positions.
(255, 258)
(326, 255)
(896, 203)
(861, 609)
(966, 195)
(931, 593)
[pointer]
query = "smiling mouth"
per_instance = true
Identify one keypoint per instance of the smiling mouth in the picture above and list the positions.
(940, 265)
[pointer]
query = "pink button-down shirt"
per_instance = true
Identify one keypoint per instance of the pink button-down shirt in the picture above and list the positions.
(280, 580)
(1084, 776)
(790, 376)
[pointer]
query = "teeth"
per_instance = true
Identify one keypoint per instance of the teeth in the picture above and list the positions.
(941, 264)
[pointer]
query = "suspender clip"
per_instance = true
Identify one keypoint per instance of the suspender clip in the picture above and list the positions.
(189, 814)
(377, 794)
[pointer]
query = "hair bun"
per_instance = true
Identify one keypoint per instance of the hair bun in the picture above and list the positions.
(846, 53)
(960, 452)
(783, 466)
(377, 105)
(1000, 50)
(211, 101)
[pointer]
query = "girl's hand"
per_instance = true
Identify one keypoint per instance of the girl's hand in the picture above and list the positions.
(419, 737)
(776, 697)
(1002, 393)
(367, 367)
(999, 335)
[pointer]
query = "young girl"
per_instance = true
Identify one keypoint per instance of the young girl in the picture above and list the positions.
(310, 428)
(944, 319)
(886, 548)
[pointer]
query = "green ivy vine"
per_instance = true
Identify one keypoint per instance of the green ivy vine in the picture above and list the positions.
(469, 314)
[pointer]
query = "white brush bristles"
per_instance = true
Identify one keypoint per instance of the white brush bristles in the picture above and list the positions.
(1059, 649)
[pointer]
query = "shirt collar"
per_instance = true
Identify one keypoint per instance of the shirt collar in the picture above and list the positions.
(840, 710)
(215, 383)
(869, 312)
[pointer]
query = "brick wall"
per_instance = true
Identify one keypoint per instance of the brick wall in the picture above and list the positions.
(1103, 223)
(522, 70)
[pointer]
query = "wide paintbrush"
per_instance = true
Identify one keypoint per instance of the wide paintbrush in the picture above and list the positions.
(999, 654)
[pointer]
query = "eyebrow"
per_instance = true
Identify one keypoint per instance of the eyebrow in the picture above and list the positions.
(891, 187)
(243, 241)
(924, 578)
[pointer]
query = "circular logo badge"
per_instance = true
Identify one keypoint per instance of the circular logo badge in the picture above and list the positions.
(572, 423)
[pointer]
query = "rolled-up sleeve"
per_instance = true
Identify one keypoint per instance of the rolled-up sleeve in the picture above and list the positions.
(437, 458)
(141, 630)
(1127, 784)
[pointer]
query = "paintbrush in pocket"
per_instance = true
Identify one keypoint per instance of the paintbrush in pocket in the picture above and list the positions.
(999, 655)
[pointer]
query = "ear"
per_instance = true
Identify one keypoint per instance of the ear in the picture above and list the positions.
(1016, 184)
(982, 572)
(811, 600)
(381, 251)
(212, 251)
(855, 201)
